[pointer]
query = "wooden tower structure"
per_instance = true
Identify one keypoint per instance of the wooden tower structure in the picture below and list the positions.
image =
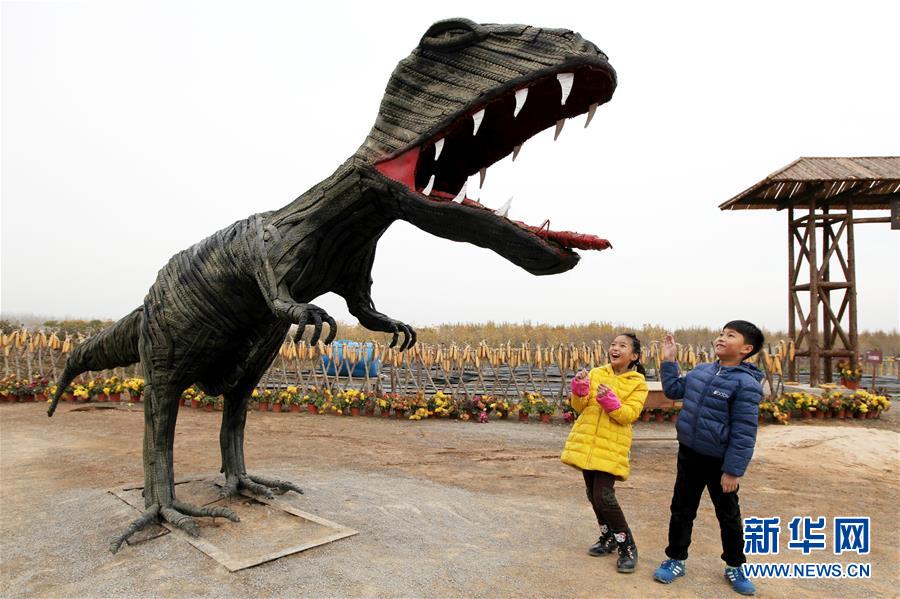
(823, 197)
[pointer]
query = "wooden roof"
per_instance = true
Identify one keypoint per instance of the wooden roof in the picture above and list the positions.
(870, 182)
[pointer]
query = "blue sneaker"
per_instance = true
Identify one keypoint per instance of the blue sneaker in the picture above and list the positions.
(669, 570)
(739, 581)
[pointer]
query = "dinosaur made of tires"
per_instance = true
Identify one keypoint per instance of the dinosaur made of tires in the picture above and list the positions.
(466, 97)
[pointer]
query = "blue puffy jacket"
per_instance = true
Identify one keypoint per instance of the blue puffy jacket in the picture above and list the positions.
(721, 410)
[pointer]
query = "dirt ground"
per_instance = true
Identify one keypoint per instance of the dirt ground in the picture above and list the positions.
(444, 508)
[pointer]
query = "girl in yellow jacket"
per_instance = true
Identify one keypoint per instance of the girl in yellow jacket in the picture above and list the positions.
(608, 400)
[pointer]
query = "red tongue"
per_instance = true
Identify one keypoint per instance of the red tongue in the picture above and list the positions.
(571, 239)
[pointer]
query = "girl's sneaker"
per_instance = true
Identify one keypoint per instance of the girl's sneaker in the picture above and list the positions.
(628, 553)
(739, 581)
(605, 545)
(669, 570)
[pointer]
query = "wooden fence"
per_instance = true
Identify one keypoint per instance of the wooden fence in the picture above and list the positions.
(502, 371)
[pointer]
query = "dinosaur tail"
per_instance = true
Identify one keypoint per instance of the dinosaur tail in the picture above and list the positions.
(114, 346)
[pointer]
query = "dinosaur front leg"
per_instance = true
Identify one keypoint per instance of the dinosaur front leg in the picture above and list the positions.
(231, 440)
(160, 412)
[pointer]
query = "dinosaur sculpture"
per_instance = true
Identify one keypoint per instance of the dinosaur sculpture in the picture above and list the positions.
(466, 97)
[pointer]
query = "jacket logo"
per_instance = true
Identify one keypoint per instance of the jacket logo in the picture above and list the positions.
(719, 393)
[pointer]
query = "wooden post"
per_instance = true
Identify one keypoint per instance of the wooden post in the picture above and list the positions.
(826, 291)
(792, 282)
(813, 316)
(851, 289)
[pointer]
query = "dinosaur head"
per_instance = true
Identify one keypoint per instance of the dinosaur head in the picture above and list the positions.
(466, 97)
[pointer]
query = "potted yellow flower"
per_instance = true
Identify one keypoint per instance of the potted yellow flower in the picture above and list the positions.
(850, 376)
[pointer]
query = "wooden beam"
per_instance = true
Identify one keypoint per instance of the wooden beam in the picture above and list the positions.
(832, 353)
(830, 285)
(874, 219)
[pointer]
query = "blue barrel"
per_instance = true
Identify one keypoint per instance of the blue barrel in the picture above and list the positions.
(364, 351)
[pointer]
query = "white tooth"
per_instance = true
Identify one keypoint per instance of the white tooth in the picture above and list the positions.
(482, 173)
(521, 95)
(559, 127)
(516, 151)
(591, 110)
(504, 209)
(428, 188)
(438, 146)
(476, 119)
(565, 82)
(461, 195)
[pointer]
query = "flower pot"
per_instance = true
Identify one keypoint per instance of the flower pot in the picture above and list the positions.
(870, 415)
(807, 415)
(41, 397)
(276, 407)
(115, 397)
(673, 418)
(840, 414)
(208, 407)
(67, 397)
(369, 412)
(295, 407)
(181, 401)
(827, 414)
(399, 414)
(858, 415)
(645, 416)
(354, 411)
(385, 413)
(820, 414)
(103, 397)
(659, 417)
(523, 417)
(850, 384)
(877, 414)
(219, 406)
(136, 398)
(27, 397)
(545, 418)
(195, 403)
(311, 408)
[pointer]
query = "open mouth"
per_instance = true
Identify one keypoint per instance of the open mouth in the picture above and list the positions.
(438, 168)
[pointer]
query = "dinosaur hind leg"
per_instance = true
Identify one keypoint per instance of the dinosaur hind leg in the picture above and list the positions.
(231, 440)
(160, 412)
(234, 418)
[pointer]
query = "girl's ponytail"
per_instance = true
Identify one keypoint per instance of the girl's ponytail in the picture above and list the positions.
(636, 347)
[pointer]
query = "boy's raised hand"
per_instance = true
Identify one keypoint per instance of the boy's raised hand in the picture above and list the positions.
(668, 348)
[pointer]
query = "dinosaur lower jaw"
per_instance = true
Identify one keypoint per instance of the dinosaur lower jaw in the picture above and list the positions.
(402, 169)
(437, 169)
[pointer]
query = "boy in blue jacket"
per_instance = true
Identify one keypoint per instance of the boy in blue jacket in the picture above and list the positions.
(716, 434)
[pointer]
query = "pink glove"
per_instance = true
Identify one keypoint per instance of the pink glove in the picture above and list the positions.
(610, 401)
(581, 387)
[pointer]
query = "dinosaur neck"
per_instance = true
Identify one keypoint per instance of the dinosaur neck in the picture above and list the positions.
(328, 226)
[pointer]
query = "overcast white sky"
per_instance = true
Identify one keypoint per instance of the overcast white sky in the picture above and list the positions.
(132, 130)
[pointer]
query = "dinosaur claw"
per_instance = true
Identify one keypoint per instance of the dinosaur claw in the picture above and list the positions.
(332, 330)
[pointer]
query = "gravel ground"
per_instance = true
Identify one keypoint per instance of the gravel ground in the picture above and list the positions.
(443, 508)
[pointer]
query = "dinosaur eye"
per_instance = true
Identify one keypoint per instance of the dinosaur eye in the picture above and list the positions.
(451, 34)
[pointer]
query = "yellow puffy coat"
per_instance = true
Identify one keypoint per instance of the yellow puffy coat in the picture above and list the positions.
(601, 440)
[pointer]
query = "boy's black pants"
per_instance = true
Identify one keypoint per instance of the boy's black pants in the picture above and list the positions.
(696, 472)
